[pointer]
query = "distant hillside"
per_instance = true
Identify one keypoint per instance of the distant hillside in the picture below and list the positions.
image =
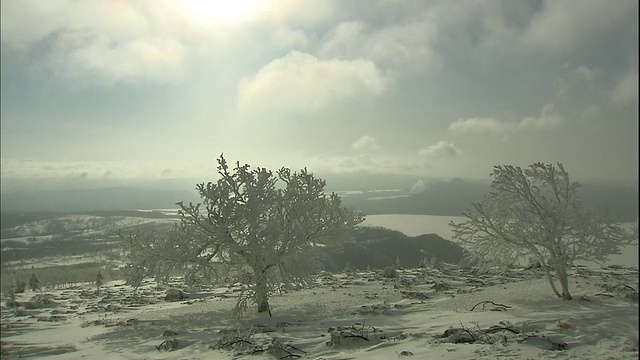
(369, 193)
(29, 236)
(452, 197)
(379, 247)
(115, 198)
(621, 201)
(365, 181)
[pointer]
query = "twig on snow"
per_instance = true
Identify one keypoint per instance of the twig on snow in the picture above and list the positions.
(496, 306)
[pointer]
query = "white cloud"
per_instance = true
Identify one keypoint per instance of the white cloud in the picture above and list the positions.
(43, 18)
(361, 162)
(98, 43)
(380, 163)
(302, 83)
(407, 43)
(479, 125)
(99, 60)
(418, 186)
(626, 89)
(549, 118)
(289, 38)
(442, 149)
(300, 13)
(366, 142)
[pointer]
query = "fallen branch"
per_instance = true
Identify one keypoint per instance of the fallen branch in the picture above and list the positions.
(295, 348)
(496, 328)
(290, 355)
(463, 334)
(231, 342)
(352, 335)
(454, 335)
(277, 345)
(168, 345)
(496, 306)
(547, 343)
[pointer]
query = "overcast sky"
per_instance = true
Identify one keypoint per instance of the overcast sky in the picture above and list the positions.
(158, 89)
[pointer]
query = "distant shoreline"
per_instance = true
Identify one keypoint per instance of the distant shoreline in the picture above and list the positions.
(414, 225)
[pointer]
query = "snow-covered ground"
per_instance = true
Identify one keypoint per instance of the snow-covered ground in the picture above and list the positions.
(423, 313)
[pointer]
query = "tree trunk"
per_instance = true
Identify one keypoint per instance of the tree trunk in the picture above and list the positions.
(549, 277)
(564, 281)
(262, 291)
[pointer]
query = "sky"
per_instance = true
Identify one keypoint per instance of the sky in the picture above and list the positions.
(159, 89)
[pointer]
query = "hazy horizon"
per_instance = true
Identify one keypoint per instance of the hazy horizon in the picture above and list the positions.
(335, 182)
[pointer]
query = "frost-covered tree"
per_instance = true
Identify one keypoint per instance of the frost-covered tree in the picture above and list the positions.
(256, 224)
(133, 273)
(20, 286)
(536, 213)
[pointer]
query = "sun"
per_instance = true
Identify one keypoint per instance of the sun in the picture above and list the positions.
(222, 11)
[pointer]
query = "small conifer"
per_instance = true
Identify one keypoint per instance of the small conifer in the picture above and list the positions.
(34, 282)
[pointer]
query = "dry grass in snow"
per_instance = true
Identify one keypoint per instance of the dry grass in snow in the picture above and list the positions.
(445, 313)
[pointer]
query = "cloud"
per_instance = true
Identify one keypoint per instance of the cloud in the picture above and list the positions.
(361, 162)
(366, 142)
(442, 149)
(548, 119)
(626, 89)
(588, 94)
(576, 80)
(406, 43)
(348, 163)
(97, 43)
(365, 160)
(93, 59)
(43, 19)
(418, 186)
(479, 125)
(302, 83)
(561, 26)
(381, 163)
(14, 168)
(536, 29)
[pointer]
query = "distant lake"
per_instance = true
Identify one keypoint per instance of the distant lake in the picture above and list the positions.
(414, 225)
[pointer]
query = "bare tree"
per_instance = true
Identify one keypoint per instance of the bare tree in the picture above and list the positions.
(249, 222)
(536, 213)
(99, 281)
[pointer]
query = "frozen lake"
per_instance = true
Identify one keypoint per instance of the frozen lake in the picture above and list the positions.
(414, 225)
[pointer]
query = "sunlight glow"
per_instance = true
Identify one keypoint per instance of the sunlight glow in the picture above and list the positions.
(222, 11)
